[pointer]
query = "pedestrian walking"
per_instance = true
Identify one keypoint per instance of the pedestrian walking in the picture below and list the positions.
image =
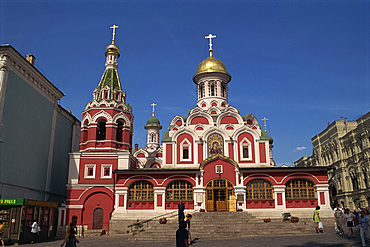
(72, 240)
(338, 219)
(364, 224)
(2, 233)
(182, 235)
(74, 219)
(349, 217)
(181, 208)
(34, 232)
(316, 218)
(188, 218)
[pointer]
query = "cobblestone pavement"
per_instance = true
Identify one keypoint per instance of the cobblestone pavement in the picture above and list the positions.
(328, 238)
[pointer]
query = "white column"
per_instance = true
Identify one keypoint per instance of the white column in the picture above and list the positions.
(199, 197)
(279, 189)
(323, 188)
(240, 190)
(159, 191)
(121, 192)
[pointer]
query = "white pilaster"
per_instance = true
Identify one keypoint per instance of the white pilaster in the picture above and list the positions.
(279, 189)
(159, 191)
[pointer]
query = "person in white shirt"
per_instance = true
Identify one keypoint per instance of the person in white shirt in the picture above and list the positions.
(339, 219)
(34, 231)
(349, 218)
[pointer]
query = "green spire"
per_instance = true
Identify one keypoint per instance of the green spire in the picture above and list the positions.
(110, 78)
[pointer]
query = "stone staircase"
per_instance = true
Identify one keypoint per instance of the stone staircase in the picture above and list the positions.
(222, 225)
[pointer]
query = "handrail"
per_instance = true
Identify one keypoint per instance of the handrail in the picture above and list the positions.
(147, 221)
(156, 217)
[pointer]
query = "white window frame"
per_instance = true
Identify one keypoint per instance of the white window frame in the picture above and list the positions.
(185, 143)
(219, 169)
(245, 143)
(103, 167)
(87, 166)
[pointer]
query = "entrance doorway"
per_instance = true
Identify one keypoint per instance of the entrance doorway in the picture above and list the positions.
(98, 218)
(218, 192)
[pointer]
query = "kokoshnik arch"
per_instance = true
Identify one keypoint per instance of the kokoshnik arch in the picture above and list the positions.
(214, 159)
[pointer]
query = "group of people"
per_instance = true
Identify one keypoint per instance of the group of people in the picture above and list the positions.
(352, 219)
(183, 235)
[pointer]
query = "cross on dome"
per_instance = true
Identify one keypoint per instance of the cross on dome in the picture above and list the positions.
(265, 119)
(154, 104)
(114, 32)
(210, 37)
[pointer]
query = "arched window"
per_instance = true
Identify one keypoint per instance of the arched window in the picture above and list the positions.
(212, 89)
(259, 189)
(245, 152)
(223, 89)
(180, 189)
(101, 129)
(201, 90)
(299, 189)
(119, 131)
(141, 191)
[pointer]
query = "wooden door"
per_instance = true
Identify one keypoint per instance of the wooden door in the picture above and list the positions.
(98, 218)
(217, 194)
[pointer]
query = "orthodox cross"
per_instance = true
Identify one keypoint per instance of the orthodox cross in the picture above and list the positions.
(210, 37)
(114, 32)
(265, 119)
(154, 104)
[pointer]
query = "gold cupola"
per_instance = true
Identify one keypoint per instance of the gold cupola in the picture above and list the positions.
(211, 64)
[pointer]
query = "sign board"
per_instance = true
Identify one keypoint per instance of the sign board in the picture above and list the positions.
(6, 201)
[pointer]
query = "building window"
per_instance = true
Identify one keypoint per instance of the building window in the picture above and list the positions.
(141, 191)
(185, 153)
(259, 189)
(300, 189)
(245, 150)
(119, 131)
(101, 129)
(201, 90)
(223, 89)
(180, 189)
(106, 171)
(90, 171)
(212, 89)
(185, 147)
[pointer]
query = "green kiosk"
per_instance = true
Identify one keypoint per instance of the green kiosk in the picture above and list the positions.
(18, 215)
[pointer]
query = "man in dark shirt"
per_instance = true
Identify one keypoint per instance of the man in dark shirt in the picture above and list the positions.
(182, 235)
(181, 208)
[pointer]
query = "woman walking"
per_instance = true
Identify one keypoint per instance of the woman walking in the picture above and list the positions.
(316, 217)
(349, 218)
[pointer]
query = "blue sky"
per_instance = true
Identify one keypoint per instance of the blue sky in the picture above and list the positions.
(301, 64)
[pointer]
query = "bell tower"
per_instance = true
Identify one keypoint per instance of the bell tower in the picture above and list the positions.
(107, 121)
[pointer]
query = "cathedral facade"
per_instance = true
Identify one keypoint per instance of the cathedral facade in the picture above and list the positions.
(214, 159)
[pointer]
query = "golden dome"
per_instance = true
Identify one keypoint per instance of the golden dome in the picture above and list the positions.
(112, 48)
(210, 65)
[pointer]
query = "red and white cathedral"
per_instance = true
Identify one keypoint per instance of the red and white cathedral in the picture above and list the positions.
(214, 159)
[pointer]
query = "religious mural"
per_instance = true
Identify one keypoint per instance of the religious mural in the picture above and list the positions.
(215, 145)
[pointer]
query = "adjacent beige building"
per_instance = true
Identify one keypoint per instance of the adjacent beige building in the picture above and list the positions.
(344, 147)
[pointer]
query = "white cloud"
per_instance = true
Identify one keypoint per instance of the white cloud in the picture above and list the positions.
(299, 149)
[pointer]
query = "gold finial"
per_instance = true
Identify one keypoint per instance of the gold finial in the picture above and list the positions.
(154, 104)
(265, 119)
(210, 37)
(114, 32)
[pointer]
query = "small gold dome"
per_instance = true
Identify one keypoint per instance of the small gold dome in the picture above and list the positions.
(211, 64)
(112, 48)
